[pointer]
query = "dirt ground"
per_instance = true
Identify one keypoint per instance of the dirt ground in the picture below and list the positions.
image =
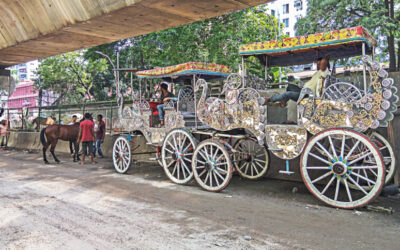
(69, 206)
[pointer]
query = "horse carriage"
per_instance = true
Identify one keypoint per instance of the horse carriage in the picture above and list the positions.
(343, 160)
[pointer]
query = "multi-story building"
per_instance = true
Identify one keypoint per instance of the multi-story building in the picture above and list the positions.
(25, 72)
(288, 12)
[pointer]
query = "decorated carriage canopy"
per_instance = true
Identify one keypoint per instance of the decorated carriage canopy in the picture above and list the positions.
(207, 71)
(305, 49)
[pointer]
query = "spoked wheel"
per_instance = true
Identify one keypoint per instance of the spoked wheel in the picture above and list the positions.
(251, 159)
(122, 155)
(328, 169)
(212, 166)
(387, 153)
(176, 155)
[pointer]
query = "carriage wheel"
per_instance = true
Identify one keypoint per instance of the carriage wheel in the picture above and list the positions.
(212, 166)
(251, 159)
(387, 153)
(176, 155)
(122, 155)
(328, 169)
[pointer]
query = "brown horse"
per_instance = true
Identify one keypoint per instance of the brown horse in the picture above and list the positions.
(55, 132)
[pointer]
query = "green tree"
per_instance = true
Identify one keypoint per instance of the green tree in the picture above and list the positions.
(72, 77)
(376, 15)
(214, 40)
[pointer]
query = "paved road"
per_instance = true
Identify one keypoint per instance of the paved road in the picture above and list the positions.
(91, 207)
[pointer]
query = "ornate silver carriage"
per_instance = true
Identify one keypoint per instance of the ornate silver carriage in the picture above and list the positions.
(343, 160)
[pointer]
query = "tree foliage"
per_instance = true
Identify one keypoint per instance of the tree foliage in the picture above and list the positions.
(72, 77)
(216, 40)
(375, 15)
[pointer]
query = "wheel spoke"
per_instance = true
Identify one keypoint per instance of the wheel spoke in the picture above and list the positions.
(222, 170)
(203, 172)
(261, 166)
(359, 158)
(358, 185)
(216, 179)
(327, 185)
(255, 168)
(202, 162)
(170, 164)
(172, 146)
(364, 167)
(208, 174)
(318, 167)
(319, 158)
(220, 176)
(322, 177)
(347, 190)
(175, 167)
(337, 188)
(202, 155)
(176, 145)
(258, 160)
(187, 169)
(332, 146)
(342, 148)
(178, 169)
(326, 151)
(169, 151)
(362, 177)
(352, 149)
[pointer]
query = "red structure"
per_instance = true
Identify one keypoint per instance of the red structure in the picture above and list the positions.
(26, 95)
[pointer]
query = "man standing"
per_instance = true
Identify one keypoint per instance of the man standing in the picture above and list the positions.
(100, 134)
(72, 142)
(86, 135)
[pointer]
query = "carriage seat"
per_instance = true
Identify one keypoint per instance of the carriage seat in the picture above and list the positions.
(153, 106)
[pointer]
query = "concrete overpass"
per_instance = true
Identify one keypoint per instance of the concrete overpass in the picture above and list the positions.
(32, 29)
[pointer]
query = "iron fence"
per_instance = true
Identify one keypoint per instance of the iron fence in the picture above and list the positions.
(34, 118)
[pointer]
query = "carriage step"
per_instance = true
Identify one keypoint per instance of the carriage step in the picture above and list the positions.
(287, 171)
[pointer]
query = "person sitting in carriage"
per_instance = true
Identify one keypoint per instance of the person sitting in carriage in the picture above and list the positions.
(165, 97)
(315, 84)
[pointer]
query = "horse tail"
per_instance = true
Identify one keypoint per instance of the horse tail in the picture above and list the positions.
(42, 138)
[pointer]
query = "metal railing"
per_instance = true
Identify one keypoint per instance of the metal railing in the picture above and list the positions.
(35, 118)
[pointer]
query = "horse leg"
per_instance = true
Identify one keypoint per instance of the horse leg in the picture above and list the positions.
(44, 154)
(52, 148)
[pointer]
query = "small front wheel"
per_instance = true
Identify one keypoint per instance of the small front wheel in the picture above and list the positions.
(251, 159)
(122, 155)
(212, 165)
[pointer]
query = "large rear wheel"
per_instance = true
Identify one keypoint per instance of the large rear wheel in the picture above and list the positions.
(387, 155)
(176, 155)
(330, 163)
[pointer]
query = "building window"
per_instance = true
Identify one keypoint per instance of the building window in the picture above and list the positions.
(288, 33)
(272, 12)
(285, 8)
(298, 4)
(286, 22)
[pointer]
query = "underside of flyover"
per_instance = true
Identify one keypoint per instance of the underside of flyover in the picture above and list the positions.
(32, 29)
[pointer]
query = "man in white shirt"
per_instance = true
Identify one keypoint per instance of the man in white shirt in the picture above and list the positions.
(315, 84)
